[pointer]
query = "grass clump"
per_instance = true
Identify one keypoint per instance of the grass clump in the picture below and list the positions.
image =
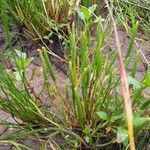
(40, 17)
(139, 9)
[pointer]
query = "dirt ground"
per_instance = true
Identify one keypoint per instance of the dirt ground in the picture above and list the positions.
(60, 70)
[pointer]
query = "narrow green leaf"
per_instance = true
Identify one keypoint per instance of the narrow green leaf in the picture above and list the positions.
(99, 55)
(85, 79)
(43, 65)
(73, 50)
(84, 51)
(49, 65)
(133, 34)
(79, 108)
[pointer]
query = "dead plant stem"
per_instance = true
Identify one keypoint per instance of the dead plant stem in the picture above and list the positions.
(124, 84)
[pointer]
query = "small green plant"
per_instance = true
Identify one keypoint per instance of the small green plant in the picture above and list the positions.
(86, 14)
(22, 63)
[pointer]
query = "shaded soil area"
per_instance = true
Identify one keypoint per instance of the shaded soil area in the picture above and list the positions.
(60, 68)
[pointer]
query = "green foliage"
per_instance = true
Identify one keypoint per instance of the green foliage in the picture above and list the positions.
(95, 105)
(22, 63)
(140, 123)
(125, 10)
(89, 111)
(85, 14)
(38, 18)
(17, 102)
(102, 115)
(122, 134)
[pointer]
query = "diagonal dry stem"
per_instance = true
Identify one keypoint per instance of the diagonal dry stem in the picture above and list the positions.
(124, 84)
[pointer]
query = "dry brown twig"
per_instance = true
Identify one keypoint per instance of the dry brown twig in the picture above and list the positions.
(124, 84)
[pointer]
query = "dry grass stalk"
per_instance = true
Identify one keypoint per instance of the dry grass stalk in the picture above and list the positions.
(124, 84)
